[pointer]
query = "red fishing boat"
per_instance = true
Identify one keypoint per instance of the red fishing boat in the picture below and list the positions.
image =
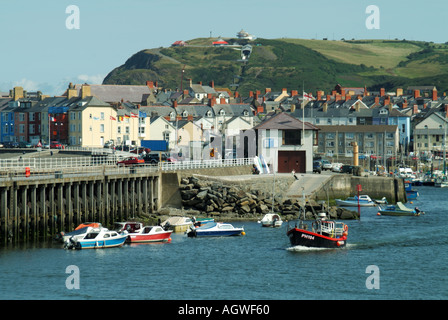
(322, 234)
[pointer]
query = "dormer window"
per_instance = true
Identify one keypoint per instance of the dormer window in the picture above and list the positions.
(172, 116)
(245, 113)
(222, 112)
(185, 114)
(209, 114)
(383, 111)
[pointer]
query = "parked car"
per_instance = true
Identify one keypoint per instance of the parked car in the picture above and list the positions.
(11, 144)
(130, 161)
(326, 165)
(55, 145)
(347, 169)
(336, 167)
(317, 166)
(154, 158)
(140, 150)
(25, 145)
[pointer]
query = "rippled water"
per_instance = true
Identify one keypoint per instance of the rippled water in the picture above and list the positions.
(410, 253)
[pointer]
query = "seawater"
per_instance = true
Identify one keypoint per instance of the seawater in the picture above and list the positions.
(410, 253)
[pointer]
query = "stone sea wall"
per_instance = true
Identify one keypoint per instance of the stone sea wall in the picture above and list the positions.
(217, 198)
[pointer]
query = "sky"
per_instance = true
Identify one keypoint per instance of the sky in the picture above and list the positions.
(45, 44)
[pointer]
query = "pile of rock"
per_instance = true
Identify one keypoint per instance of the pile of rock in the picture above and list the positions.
(215, 198)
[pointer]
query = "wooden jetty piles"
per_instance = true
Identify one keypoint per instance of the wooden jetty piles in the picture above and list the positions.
(38, 205)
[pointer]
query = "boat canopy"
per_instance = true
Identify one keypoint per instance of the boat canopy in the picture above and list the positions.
(402, 207)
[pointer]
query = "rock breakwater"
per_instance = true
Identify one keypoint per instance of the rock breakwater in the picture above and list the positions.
(225, 199)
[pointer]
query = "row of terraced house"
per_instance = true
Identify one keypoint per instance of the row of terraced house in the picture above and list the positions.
(382, 123)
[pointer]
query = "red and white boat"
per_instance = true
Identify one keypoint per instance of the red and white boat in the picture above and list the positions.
(149, 234)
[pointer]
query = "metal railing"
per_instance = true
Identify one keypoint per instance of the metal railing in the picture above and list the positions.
(50, 168)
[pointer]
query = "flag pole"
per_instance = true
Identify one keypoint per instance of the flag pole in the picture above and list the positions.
(303, 113)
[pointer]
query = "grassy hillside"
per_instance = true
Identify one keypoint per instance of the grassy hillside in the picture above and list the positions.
(292, 63)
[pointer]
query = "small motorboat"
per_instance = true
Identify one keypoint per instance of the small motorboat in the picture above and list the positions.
(399, 210)
(322, 233)
(410, 193)
(177, 224)
(216, 229)
(271, 220)
(363, 201)
(79, 231)
(97, 239)
(383, 200)
(150, 234)
(201, 221)
(129, 226)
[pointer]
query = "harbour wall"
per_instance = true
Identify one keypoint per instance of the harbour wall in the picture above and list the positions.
(342, 186)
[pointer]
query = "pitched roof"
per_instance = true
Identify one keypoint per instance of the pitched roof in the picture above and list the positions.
(283, 121)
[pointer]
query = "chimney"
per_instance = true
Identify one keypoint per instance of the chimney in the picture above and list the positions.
(382, 92)
(365, 93)
(342, 92)
(237, 94)
(175, 103)
(338, 97)
(387, 101)
(416, 94)
(251, 94)
(212, 84)
(399, 92)
(85, 91)
(17, 93)
(405, 105)
(325, 107)
(150, 84)
(260, 109)
(200, 83)
(222, 100)
(348, 97)
(294, 93)
(284, 90)
(446, 112)
(267, 90)
(319, 95)
(434, 95)
(377, 101)
(185, 93)
(190, 117)
(156, 84)
(328, 97)
(415, 109)
(293, 108)
(212, 101)
(71, 91)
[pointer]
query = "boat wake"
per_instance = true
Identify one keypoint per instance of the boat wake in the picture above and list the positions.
(311, 249)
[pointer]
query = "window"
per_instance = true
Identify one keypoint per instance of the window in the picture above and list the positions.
(127, 130)
(166, 136)
(101, 127)
(102, 115)
(291, 137)
(118, 129)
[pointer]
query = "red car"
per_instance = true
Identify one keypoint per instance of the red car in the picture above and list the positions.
(131, 161)
(55, 145)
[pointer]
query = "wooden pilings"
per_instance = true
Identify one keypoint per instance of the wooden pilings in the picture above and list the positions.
(39, 209)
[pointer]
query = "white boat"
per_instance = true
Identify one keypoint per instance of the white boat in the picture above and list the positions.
(271, 220)
(97, 239)
(177, 224)
(80, 231)
(363, 201)
(217, 229)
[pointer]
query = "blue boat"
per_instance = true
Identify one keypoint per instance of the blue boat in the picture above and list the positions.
(398, 210)
(97, 239)
(216, 229)
(363, 201)
(410, 194)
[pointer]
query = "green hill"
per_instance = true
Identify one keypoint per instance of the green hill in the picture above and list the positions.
(291, 64)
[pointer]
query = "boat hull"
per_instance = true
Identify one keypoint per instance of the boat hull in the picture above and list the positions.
(397, 213)
(344, 203)
(101, 244)
(300, 237)
(227, 233)
(161, 237)
(272, 224)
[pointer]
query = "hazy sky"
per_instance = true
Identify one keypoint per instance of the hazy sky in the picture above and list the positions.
(39, 52)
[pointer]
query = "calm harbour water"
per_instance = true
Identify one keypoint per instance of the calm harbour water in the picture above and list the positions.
(411, 254)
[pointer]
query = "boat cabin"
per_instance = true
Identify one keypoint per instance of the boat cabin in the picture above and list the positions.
(129, 226)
